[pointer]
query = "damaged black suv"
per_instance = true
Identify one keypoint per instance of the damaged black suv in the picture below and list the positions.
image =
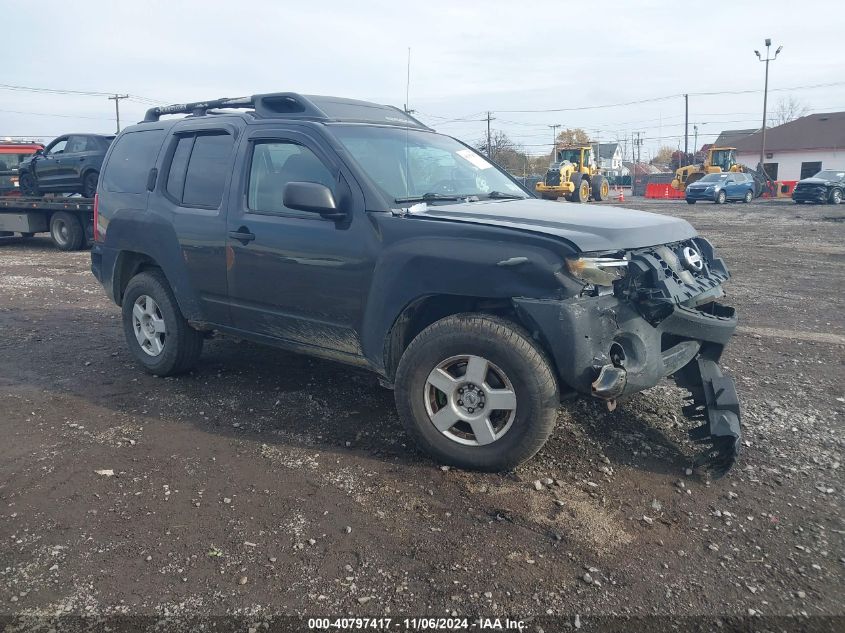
(351, 231)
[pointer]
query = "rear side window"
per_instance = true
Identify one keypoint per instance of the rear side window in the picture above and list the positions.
(199, 169)
(129, 165)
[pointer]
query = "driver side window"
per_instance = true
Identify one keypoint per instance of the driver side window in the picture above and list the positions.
(274, 165)
(58, 148)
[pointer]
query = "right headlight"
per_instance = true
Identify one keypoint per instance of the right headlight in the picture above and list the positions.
(597, 271)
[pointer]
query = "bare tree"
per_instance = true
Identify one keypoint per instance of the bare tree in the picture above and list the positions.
(573, 136)
(505, 152)
(788, 109)
(663, 156)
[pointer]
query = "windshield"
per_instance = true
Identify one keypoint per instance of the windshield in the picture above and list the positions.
(410, 163)
(572, 155)
(713, 177)
(9, 162)
(829, 174)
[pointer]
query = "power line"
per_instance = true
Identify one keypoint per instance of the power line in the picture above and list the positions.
(86, 93)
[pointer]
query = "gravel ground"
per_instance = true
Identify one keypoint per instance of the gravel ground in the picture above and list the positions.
(267, 483)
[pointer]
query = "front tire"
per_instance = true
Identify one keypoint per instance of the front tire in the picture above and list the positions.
(476, 392)
(66, 231)
(691, 201)
(836, 196)
(721, 197)
(158, 336)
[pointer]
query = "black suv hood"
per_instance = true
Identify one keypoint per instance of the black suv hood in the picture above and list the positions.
(588, 227)
(817, 181)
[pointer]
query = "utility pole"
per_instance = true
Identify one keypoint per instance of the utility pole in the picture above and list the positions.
(116, 98)
(765, 97)
(695, 143)
(686, 129)
(408, 84)
(489, 148)
(554, 140)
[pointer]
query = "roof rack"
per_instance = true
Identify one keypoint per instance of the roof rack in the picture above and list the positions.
(293, 105)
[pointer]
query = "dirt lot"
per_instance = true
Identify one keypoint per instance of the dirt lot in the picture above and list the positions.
(267, 483)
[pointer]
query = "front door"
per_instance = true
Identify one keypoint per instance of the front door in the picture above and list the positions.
(296, 276)
(67, 165)
(48, 164)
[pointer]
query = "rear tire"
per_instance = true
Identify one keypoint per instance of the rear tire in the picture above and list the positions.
(89, 184)
(749, 196)
(66, 231)
(514, 371)
(180, 345)
(601, 188)
(721, 197)
(582, 189)
(27, 185)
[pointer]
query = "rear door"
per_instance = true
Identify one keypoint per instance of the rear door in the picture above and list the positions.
(68, 164)
(195, 174)
(296, 276)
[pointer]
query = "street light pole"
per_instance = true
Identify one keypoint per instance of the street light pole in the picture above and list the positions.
(765, 98)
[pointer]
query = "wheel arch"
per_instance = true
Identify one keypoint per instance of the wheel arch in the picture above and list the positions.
(424, 311)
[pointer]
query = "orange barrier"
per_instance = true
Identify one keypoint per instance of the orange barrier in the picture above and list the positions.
(783, 189)
(662, 190)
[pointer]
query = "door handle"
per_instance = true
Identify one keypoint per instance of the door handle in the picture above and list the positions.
(242, 235)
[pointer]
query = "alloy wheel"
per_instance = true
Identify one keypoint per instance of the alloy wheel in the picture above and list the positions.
(470, 400)
(148, 325)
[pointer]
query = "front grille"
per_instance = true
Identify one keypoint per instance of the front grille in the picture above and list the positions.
(553, 178)
(660, 272)
(810, 189)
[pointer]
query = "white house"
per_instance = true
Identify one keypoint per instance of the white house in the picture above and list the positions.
(609, 158)
(800, 148)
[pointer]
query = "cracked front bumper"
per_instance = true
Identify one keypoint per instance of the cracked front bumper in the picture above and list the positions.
(604, 347)
(585, 334)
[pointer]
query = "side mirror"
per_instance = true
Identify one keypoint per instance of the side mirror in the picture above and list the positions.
(313, 198)
(39, 152)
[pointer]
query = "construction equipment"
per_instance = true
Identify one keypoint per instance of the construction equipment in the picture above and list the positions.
(718, 159)
(574, 176)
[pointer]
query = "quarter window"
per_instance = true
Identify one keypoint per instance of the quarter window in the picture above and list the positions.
(178, 165)
(130, 161)
(274, 165)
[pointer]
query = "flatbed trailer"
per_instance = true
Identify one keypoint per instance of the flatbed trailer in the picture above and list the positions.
(69, 221)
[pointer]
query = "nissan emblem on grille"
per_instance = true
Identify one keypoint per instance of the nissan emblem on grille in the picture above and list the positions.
(692, 259)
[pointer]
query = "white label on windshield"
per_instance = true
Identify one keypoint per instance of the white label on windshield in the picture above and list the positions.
(471, 157)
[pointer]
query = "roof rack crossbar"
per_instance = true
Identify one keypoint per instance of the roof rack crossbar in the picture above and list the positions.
(197, 108)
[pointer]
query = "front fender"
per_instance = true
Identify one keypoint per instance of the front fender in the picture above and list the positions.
(418, 267)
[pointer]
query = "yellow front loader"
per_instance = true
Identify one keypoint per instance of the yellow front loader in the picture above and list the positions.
(718, 159)
(574, 176)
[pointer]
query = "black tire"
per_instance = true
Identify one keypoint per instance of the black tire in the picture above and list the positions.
(691, 201)
(600, 188)
(66, 231)
(799, 202)
(508, 348)
(749, 196)
(721, 197)
(89, 184)
(182, 344)
(27, 235)
(835, 196)
(27, 185)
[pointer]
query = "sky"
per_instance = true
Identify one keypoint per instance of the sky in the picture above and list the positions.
(531, 64)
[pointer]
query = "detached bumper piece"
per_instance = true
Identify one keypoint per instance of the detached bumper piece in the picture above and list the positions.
(714, 403)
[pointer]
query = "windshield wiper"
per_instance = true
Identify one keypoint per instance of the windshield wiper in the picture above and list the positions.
(504, 196)
(426, 197)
